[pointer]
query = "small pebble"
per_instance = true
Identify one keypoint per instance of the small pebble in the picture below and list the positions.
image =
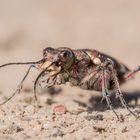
(56, 132)
(2, 125)
(94, 117)
(29, 109)
(47, 125)
(59, 110)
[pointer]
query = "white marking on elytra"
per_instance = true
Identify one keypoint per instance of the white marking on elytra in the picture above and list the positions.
(97, 61)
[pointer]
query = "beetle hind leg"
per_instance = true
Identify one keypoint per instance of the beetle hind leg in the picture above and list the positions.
(119, 92)
(131, 73)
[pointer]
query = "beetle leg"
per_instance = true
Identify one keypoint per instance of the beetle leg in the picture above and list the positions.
(43, 73)
(54, 78)
(131, 73)
(105, 92)
(120, 94)
(19, 87)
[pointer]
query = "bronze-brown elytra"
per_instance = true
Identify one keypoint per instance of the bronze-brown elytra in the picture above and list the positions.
(86, 68)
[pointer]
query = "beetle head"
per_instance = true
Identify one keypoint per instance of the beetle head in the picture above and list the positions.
(61, 57)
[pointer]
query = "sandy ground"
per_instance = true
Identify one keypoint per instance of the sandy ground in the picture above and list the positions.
(26, 27)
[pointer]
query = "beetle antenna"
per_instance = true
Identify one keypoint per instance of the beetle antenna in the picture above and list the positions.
(22, 63)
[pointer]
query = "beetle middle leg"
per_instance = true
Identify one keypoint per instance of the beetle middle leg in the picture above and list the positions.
(103, 77)
(105, 92)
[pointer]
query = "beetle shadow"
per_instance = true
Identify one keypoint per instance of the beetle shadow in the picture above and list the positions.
(95, 103)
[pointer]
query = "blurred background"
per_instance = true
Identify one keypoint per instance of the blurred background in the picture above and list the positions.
(28, 26)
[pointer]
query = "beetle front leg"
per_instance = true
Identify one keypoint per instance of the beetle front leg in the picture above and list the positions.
(19, 86)
(49, 71)
(50, 79)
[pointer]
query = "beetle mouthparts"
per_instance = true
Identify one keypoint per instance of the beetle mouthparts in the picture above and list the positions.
(48, 65)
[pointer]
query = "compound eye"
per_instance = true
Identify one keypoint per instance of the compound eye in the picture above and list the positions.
(64, 55)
